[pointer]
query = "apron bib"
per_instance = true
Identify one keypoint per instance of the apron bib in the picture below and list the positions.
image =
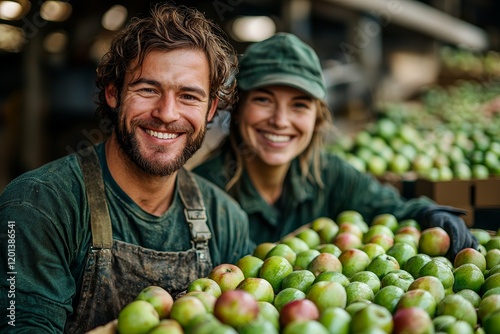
(116, 271)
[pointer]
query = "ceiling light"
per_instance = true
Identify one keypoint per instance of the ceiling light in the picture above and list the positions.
(11, 38)
(56, 11)
(114, 18)
(56, 42)
(253, 28)
(13, 10)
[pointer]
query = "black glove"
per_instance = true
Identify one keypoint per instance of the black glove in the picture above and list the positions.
(448, 218)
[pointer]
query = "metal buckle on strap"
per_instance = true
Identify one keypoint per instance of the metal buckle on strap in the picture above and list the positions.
(196, 219)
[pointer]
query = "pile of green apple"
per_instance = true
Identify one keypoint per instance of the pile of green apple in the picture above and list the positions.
(464, 61)
(343, 277)
(446, 136)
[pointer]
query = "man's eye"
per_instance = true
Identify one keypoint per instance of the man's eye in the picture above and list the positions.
(147, 90)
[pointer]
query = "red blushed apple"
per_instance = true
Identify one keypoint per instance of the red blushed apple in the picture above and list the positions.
(412, 320)
(236, 308)
(138, 316)
(205, 284)
(325, 262)
(351, 228)
(412, 230)
(434, 241)
(298, 310)
(227, 275)
(159, 298)
(347, 240)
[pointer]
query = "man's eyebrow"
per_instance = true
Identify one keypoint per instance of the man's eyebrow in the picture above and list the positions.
(155, 83)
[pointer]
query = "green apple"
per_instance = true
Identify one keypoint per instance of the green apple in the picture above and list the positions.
(258, 326)
(492, 258)
(137, 317)
(327, 294)
(383, 240)
(259, 288)
(332, 276)
(488, 306)
(283, 250)
(329, 248)
(431, 284)
(186, 308)
(296, 244)
(386, 219)
(415, 263)
(440, 270)
(372, 250)
(402, 252)
(458, 307)
(353, 217)
(326, 228)
(205, 284)
(227, 275)
(206, 298)
(369, 278)
(299, 279)
(370, 318)
(389, 297)
(159, 298)
(269, 313)
(274, 270)
(383, 264)
(236, 308)
(399, 277)
(468, 276)
(336, 320)
(308, 326)
(418, 298)
(310, 236)
(250, 265)
(358, 291)
(287, 295)
(167, 326)
(353, 261)
(262, 249)
(304, 258)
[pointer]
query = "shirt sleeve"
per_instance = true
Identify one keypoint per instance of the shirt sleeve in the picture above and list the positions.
(36, 275)
(353, 190)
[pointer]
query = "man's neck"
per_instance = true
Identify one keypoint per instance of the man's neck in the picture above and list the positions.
(153, 194)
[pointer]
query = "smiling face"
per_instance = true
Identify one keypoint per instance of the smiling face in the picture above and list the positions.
(277, 123)
(163, 110)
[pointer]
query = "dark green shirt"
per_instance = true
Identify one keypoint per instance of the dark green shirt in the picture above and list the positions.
(52, 237)
(302, 200)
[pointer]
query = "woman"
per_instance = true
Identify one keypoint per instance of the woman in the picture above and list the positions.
(273, 163)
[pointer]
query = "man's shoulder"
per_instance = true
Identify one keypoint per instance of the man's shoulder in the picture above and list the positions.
(62, 174)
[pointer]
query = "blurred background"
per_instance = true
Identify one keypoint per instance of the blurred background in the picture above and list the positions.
(374, 53)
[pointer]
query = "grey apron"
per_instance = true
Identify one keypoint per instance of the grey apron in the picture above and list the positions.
(117, 271)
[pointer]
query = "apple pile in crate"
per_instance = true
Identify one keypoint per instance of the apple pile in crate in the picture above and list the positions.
(342, 276)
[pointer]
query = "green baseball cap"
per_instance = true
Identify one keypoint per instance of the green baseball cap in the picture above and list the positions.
(282, 59)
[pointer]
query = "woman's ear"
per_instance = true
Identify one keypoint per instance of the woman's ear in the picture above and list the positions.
(111, 94)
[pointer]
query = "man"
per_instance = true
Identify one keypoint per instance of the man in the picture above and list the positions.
(92, 229)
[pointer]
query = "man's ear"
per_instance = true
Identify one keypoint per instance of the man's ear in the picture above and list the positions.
(212, 109)
(111, 94)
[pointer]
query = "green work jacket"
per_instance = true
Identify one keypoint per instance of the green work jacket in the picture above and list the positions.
(45, 215)
(303, 200)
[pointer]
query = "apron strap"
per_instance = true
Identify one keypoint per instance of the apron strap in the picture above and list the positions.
(100, 223)
(194, 208)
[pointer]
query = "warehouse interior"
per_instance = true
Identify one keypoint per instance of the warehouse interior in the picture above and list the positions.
(372, 52)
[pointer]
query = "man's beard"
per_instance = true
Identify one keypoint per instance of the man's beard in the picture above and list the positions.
(129, 145)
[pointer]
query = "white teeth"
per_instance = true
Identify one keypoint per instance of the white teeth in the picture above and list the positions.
(276, 138)
(162, 135)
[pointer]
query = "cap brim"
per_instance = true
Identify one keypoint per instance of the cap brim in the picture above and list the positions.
(307, 86)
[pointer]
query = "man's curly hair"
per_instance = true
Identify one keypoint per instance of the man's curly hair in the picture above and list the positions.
(168, 27)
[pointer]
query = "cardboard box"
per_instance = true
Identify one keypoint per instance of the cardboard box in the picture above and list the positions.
(454, 192)
(487, 193)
